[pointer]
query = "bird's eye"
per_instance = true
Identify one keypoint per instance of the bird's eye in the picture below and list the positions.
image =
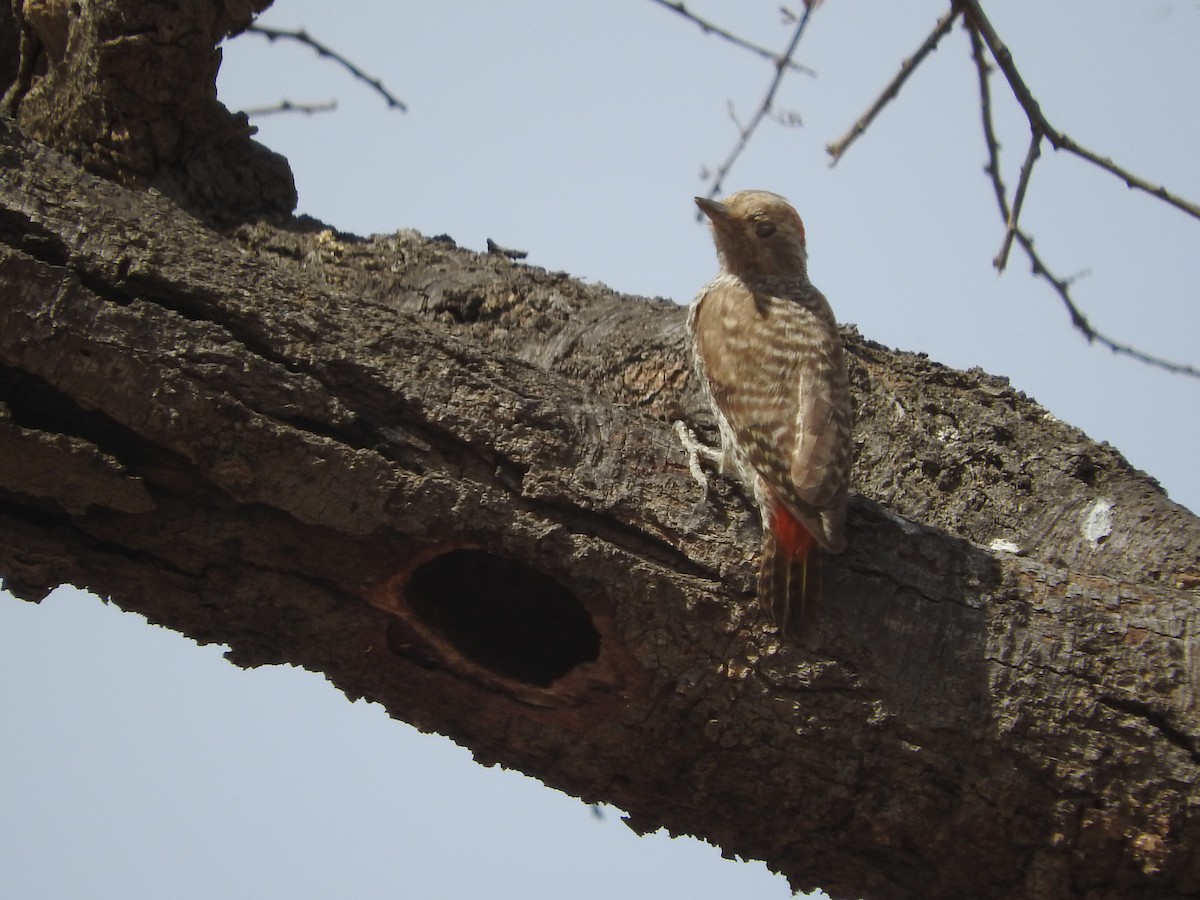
(764, 229)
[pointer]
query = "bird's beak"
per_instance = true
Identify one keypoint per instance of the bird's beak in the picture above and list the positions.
(716, 211)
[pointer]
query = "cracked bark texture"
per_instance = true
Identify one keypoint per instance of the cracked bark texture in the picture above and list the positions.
(449, 482)
(129, 91)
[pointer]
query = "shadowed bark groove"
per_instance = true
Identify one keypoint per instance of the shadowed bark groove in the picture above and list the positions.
(449, 482)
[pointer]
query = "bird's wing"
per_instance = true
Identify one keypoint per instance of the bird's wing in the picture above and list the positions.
(817, 461)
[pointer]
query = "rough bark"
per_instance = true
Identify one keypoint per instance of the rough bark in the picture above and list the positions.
(129, 91)
(450, 483)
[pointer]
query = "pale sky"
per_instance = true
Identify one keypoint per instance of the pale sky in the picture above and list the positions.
(134, 763)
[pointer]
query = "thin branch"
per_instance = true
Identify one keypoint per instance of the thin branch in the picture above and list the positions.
(709, 28)
(983, 69)
(839, 147)
(977, 21)
(1062, 286)
(782, 64)
(1080, 321)
(305, 38)
(1035, 149)
(1131, 181)
(286, 106)
(1040, 124)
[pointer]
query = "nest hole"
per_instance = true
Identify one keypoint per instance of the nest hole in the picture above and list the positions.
(503, 615)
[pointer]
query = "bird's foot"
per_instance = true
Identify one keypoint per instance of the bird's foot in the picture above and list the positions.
(695, 449)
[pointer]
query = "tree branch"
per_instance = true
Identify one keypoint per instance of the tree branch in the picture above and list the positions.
(1062, 286)
(1014, 215)
(747, 132)
(709, 27)
(451, 484)
(135, 100)
(287, 106)
(940, 30)
(303, 37)
(981, 32)
(349, 478)
(1039, 124)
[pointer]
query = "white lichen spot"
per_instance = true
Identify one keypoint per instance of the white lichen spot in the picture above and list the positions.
(948, 434)
(1097, 523)
(1004, 545)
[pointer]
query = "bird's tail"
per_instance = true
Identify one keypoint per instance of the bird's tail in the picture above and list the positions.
(789, 571)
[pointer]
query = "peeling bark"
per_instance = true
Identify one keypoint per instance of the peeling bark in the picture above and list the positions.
(449, 482)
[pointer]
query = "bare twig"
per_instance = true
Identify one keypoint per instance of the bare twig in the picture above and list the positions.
(745, 133)
(981, 34)
(1131, 181)
(709, 28)
(983, 69)
(1062, 286)
(286, 106)
(1010, 230)
(305, 38)
(1040, 124)
(840, 146)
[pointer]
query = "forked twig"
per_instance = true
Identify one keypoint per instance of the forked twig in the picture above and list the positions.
(782, 63)
(1014, 215)
(1062, 286)
(981, 34)
(303, 37)
(710, 28)
(1041, 125)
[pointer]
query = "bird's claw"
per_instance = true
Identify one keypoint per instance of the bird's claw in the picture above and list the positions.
(695, 449)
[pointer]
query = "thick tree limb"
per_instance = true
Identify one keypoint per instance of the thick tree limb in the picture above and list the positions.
(448, 482)
(129, 91)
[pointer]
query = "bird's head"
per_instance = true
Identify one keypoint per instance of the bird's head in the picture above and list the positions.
(758, 235)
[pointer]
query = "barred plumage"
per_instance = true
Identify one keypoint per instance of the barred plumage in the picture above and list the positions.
(770, 358)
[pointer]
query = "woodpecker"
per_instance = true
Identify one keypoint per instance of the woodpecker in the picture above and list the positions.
(770, 360)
